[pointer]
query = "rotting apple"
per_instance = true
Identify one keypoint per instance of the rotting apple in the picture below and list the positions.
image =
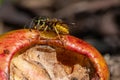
(18, 41)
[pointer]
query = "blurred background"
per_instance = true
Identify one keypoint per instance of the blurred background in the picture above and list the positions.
(95, 21)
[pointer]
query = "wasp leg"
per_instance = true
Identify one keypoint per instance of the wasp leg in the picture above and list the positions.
(41, 27)
(46, 27)
(57, 32)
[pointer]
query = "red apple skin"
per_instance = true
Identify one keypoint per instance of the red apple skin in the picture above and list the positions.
(11, 43)
(19, 40)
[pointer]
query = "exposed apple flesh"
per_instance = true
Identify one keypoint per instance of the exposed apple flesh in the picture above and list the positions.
(20, 40)
(48, 63)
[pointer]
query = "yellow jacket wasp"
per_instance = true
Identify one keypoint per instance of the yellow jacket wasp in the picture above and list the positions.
(47, 24)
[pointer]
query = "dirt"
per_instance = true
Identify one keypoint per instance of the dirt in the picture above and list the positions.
(42, 63)
(113, 62)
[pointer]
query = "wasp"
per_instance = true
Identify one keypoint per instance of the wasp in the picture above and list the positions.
(50, 24)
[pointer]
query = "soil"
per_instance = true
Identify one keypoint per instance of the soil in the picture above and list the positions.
(113, 62)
